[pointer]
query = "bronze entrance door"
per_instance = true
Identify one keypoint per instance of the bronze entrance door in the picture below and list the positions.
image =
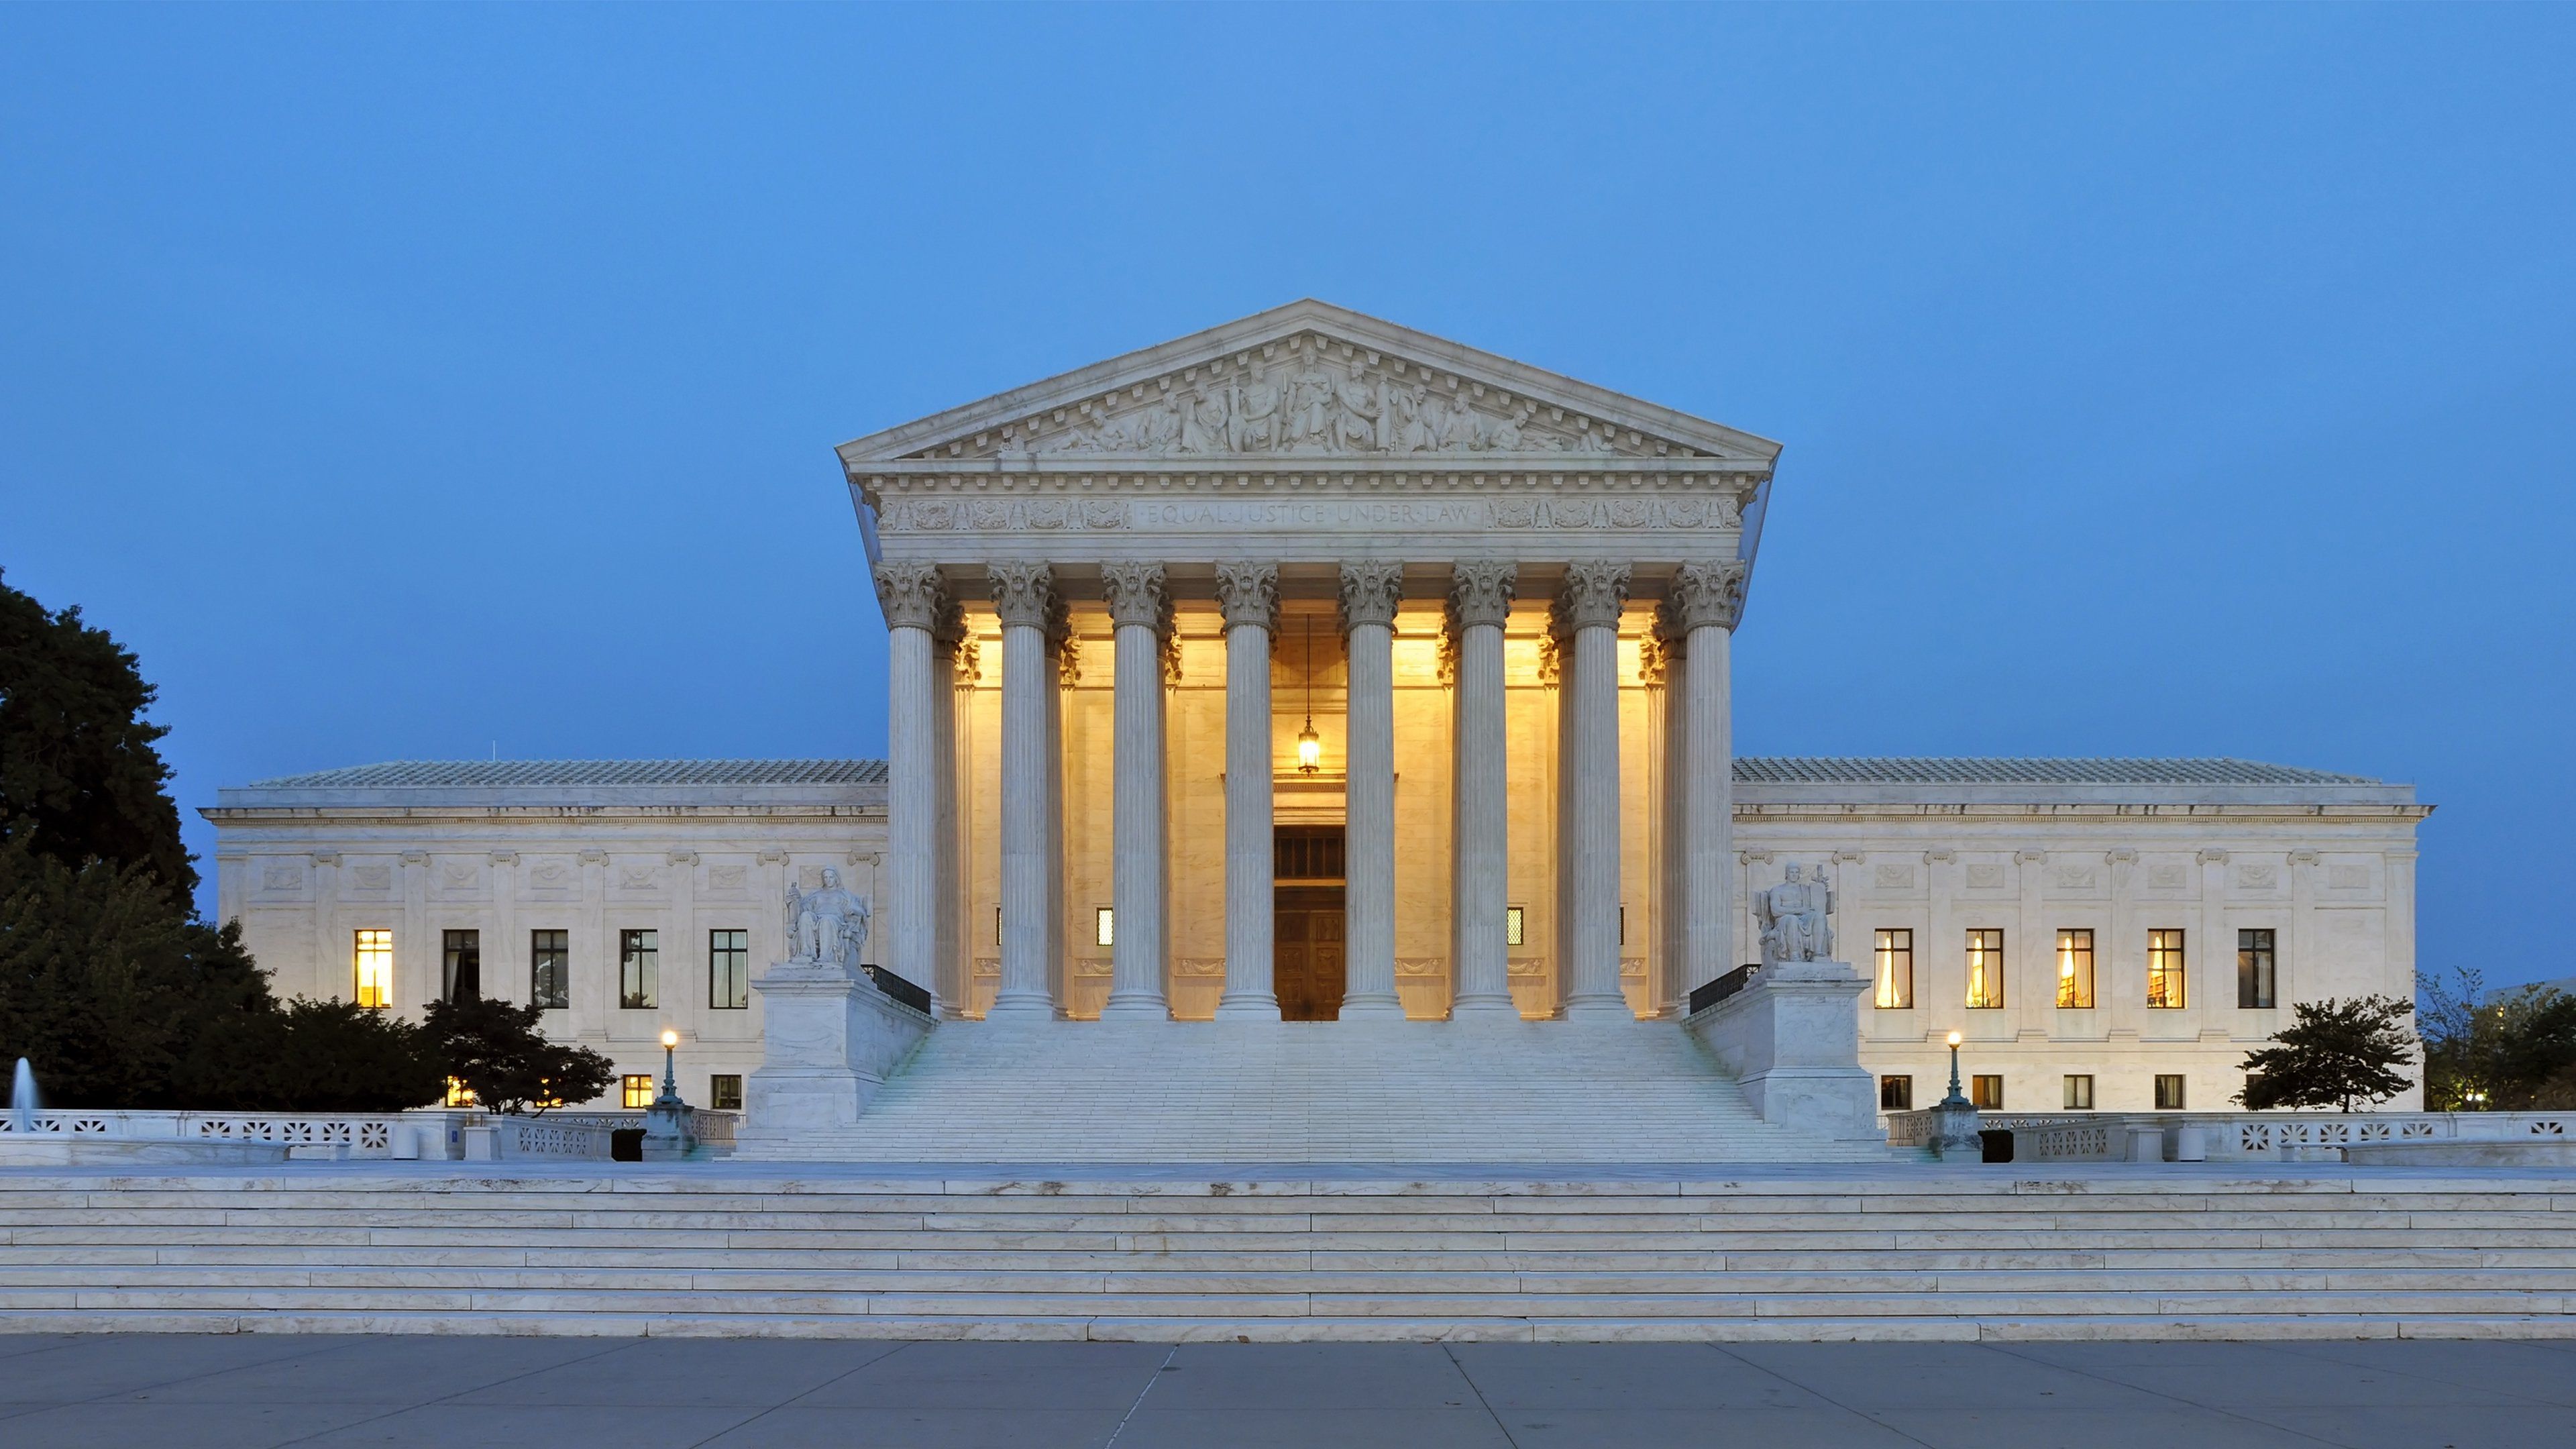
(1306, 963)
(1308, 955)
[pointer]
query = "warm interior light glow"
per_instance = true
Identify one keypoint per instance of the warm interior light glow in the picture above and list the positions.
(1310, 749)
(1954, 1038)
(375, 968)
(670, 1038)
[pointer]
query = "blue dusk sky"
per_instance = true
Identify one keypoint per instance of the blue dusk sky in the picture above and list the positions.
(412, 382)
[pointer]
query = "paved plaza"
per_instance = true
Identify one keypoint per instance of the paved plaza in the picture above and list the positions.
(237, 1391)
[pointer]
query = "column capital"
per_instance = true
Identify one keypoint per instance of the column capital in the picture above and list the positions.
(1370, 593)
(1707, 593)
(1670, 633)
(913, 595)
(1249, 594)
(1481, 591)
(1138, 593)
(1023, 594)
(1594, 594)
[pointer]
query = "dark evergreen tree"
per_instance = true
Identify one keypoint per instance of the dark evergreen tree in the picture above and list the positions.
(2333, 1054)
(501, 1054)
(80, 776)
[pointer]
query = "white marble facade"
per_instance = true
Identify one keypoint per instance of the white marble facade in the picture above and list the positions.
(1504, 598)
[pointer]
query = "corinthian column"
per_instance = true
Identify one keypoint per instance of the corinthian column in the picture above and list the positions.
(1480, 600)
(1140, 615)
(1705, 602)
(913, 598)
(1370, 592)
(1024, 597)
(1595, 593)
(951, 991)
(1249, 594)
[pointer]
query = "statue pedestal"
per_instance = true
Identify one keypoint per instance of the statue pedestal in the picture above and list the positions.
(829, 1038)
(1791, 1038)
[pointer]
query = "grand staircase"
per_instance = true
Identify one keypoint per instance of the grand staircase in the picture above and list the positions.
(1314, 1092)
(1895, 1250)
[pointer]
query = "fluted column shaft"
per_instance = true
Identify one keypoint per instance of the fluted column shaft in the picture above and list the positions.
(1250, 596)
(1480, 599)
(1139, 913)
(1598, 591)
(949, 984)
(1370, 592)
(1707, 600)
(1672, 841)
(911, 596)
(1022, 595)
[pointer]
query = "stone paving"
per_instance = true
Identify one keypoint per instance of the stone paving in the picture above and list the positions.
(237, 1391)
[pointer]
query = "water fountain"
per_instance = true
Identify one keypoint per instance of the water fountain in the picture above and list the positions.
(29, 1143)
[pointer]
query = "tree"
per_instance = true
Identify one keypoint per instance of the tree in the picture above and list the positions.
(79, 774)
(2333, 1054)
(315, 1056)
(503, 1057)
(2509, 1051)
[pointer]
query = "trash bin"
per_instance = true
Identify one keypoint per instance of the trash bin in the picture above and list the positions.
(626, 1144)
(1997, 1142)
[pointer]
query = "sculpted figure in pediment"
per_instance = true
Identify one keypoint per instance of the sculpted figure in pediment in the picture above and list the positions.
(1256, 420)
(1204, 416)
(1311, 425)
(1357, 399)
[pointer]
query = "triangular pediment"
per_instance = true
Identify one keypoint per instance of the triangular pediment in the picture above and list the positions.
(1309, 380)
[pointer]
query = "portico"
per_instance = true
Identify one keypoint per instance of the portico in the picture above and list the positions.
(1478, 570)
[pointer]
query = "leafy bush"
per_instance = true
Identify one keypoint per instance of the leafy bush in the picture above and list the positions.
(2513, 1052)
(498, 1051)
(2333, 1054)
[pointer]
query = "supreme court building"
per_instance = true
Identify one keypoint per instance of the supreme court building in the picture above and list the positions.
(1311, 668)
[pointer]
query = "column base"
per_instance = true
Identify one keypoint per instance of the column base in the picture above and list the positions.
(1021, 1006)
(1598, 1010)
(1384, 1006)
(1135, 1006)
(1248, 1006)
(1483, 1008)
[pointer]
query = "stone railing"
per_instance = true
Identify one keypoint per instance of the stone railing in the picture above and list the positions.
(713, 1130)
(2235, 1136)
(554, 1134)
(429, 1133)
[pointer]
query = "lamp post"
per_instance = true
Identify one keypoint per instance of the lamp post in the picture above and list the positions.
(667, 1137)
(1955, 1124)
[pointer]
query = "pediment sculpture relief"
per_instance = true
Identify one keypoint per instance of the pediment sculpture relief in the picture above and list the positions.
(1309, 397)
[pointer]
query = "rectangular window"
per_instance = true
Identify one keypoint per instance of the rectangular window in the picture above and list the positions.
(2079, 1094)
(550, 969)
(1896, 1094)
(2254, 970)
(1895, 953)
(1514, 918)
(729, 970)
(2075, 970)
(375, 952)
(460, 972)
(724, 1092)
(2164, 970)
(1985, 970)
(638, 1089)
(1104, 926)
(1986, 1093)
(2169, 1093)
(639, 969)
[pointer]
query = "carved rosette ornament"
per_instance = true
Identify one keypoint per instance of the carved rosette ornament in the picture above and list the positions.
(1249, 594)
(1707, 593)
(913, 595)
(1023, 594)
(1370, 593)
(1593, 595)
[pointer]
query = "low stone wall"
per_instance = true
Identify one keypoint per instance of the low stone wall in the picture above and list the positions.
(2253, 1136)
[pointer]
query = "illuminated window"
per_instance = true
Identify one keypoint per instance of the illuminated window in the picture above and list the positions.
(638, 1090)
(1895, 954)
(460, 976)
(457, 1095)
(1985, 970)
(2164, 970)
(729, 970)
(2254, 969)
(550, 969)
(2079, 1094)
(375, 968)
(1103, 926)
(2169, 1093)
(1896, 1094)
(2075, 969)
(724, 1092)
(1986, 1094)
(639, 969)
(1514, 922)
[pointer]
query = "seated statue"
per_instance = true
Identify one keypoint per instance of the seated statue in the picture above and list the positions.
(1793, 919)
(829, 924)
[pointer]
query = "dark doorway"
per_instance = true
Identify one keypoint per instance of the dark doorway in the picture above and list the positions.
(1306, 967)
